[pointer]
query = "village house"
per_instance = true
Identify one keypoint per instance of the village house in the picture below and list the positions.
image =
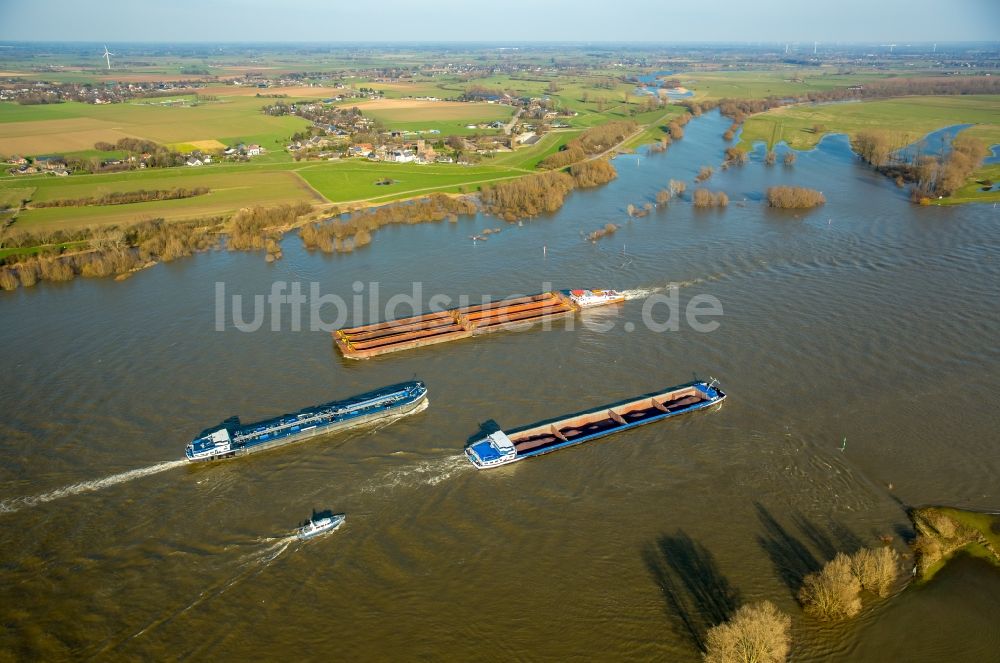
(360, 150)
(402, 156)
(254, 150)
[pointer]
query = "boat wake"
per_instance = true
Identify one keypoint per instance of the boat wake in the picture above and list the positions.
(268, 554)
(252, 564)
(639, 293)
(18, 503)
(425, 473)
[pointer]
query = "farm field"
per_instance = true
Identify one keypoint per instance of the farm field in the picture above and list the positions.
(910, 117)
(12, 196)
(73, 126)
(447, 117)
(767, 83)
(229, 191)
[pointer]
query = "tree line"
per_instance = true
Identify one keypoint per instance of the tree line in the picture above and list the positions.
(542, 193)
(117, 251)
(345, 235)
(592, 141)
(113, 251)
(931, 176)
(125, 197)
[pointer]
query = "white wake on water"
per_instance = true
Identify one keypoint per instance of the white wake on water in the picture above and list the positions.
(18, 503)
(639, 293)
(269, 553)
(424, 473)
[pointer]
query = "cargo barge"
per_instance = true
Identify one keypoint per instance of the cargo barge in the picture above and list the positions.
(502, 448)
(417, 331)
(234, 439)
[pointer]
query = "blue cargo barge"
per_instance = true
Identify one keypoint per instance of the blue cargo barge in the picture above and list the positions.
(502, 448)
(234, 439)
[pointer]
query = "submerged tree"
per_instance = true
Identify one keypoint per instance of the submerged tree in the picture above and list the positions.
(757, 633)
(832, 593)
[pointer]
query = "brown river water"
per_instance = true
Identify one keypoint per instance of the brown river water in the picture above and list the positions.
(868, 320)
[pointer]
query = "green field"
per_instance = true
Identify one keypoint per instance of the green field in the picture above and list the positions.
(909, 117)
(790, 81)
(230, 189)
(973, 192)
(12, 196)
(74, 127)
(355, 180)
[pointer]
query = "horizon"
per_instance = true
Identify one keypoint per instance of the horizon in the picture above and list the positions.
(526, 42)
(559, 21)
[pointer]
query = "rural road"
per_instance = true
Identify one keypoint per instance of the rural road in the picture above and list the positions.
(507, 128)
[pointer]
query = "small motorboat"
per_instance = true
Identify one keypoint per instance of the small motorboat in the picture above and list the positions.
(317, 526)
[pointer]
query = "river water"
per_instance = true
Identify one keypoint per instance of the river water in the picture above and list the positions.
(858, 345)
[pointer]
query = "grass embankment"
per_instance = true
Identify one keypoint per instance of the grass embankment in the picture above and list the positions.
(943, 532)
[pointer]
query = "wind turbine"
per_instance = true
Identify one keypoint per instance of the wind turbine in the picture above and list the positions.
(107, 56)
(891, 46)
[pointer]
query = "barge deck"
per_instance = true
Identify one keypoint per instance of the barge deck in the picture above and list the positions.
(417, 331)
(500, 448)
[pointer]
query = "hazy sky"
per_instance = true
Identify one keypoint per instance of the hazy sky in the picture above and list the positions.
(499, 20)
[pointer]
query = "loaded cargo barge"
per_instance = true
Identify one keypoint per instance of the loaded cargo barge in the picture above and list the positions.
(502, 448)
(451, 324)
(235, 439)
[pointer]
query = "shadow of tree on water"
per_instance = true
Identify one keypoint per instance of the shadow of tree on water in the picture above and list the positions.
(794, 558)
(791, 558)
(694, 590)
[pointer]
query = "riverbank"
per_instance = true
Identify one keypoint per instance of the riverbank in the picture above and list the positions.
(944, 532)
(906, 121)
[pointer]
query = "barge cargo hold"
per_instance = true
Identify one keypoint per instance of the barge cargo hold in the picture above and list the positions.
(370, 340)
(236, 440)
(502, 448)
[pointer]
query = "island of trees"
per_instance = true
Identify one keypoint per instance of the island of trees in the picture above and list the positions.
(794, 197)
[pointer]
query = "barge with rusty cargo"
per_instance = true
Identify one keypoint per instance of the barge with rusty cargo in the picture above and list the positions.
(500, 448)
(235, 439)
(417, 331)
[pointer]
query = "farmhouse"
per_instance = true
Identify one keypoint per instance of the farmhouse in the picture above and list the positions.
(253, 150)
(49, 163)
